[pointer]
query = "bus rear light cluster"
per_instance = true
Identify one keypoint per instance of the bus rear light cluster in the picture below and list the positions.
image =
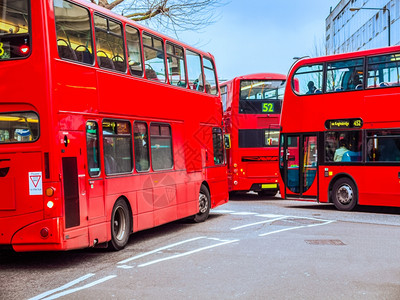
(44, 233)
(235, 171)
(50, 192)
(235, 182)
(52, 202)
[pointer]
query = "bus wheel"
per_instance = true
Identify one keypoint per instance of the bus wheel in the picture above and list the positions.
(344, 194)
(120, 225)
(204, 205)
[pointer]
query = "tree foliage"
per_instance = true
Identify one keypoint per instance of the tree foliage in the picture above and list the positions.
(167, 15)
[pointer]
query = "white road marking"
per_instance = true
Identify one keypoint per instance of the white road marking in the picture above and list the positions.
(86, 286)
(297, 227)
(258, 223)
(125, 267)
(224, 242)
(269, 215)
(222, 211)
(160, 249)
(244, 213)
(64, 287)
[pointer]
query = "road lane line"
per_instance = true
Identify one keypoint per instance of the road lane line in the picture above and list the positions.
(160, 249)
(244, 213)
(297, 227)
(186, 253)
(222, 211)
(64, 287)
(258, 223)
(86, 286)
(269, 215)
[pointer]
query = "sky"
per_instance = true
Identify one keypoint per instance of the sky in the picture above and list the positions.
(255, 36)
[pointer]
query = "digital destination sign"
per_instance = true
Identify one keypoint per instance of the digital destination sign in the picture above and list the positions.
(344, 123)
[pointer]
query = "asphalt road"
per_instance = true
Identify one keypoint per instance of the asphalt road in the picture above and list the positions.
(250, 248)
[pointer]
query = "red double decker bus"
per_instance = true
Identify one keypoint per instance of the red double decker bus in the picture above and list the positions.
(106, 128)
(340, 133)
(252, 107)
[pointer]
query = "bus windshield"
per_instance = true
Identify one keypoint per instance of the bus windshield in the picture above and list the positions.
(14, 29)
(262, 89)
(261, 96)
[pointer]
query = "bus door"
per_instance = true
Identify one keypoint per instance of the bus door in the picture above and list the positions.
(74, 185)
(299, 163)
(94, 184)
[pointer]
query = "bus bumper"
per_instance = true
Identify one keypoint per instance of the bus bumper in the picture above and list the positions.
(39, 236)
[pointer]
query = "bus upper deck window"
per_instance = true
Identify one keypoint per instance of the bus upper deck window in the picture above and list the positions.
(74, 35)
(14, 29)
(308, 79)
(210, 77)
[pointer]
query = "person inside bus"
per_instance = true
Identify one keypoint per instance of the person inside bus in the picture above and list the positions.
(110, 164)
(311, 88)
(341, 150)
(355, 83)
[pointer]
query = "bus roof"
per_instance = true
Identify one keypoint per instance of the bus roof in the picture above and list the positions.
(108, 12)
(344, 56)
(258, 76)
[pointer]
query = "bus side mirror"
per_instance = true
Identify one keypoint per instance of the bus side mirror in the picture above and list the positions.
(227, 140)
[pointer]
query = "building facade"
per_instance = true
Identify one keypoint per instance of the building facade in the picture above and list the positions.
(352, 30)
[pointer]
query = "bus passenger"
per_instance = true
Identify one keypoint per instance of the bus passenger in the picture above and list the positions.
(311, 88)
(340, 151)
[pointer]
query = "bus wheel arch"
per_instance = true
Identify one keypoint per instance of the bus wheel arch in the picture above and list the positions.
(204, 203)
(121, 224)
(343, 192)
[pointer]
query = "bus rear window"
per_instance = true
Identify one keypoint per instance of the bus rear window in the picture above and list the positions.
(14, 29)
(19, 127)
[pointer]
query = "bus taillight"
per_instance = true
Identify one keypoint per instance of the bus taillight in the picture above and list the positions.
(52, 202)
(44, 232)
(24, 49)
(49, 192)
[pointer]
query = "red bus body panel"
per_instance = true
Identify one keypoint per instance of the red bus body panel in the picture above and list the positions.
(66, 95)
(377, 184)
(245, 175)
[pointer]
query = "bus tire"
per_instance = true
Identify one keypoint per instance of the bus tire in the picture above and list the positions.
(204, 205)
(120, 225)
(344, 194)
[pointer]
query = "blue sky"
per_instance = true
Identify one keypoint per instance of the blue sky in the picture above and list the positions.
(252, 36)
